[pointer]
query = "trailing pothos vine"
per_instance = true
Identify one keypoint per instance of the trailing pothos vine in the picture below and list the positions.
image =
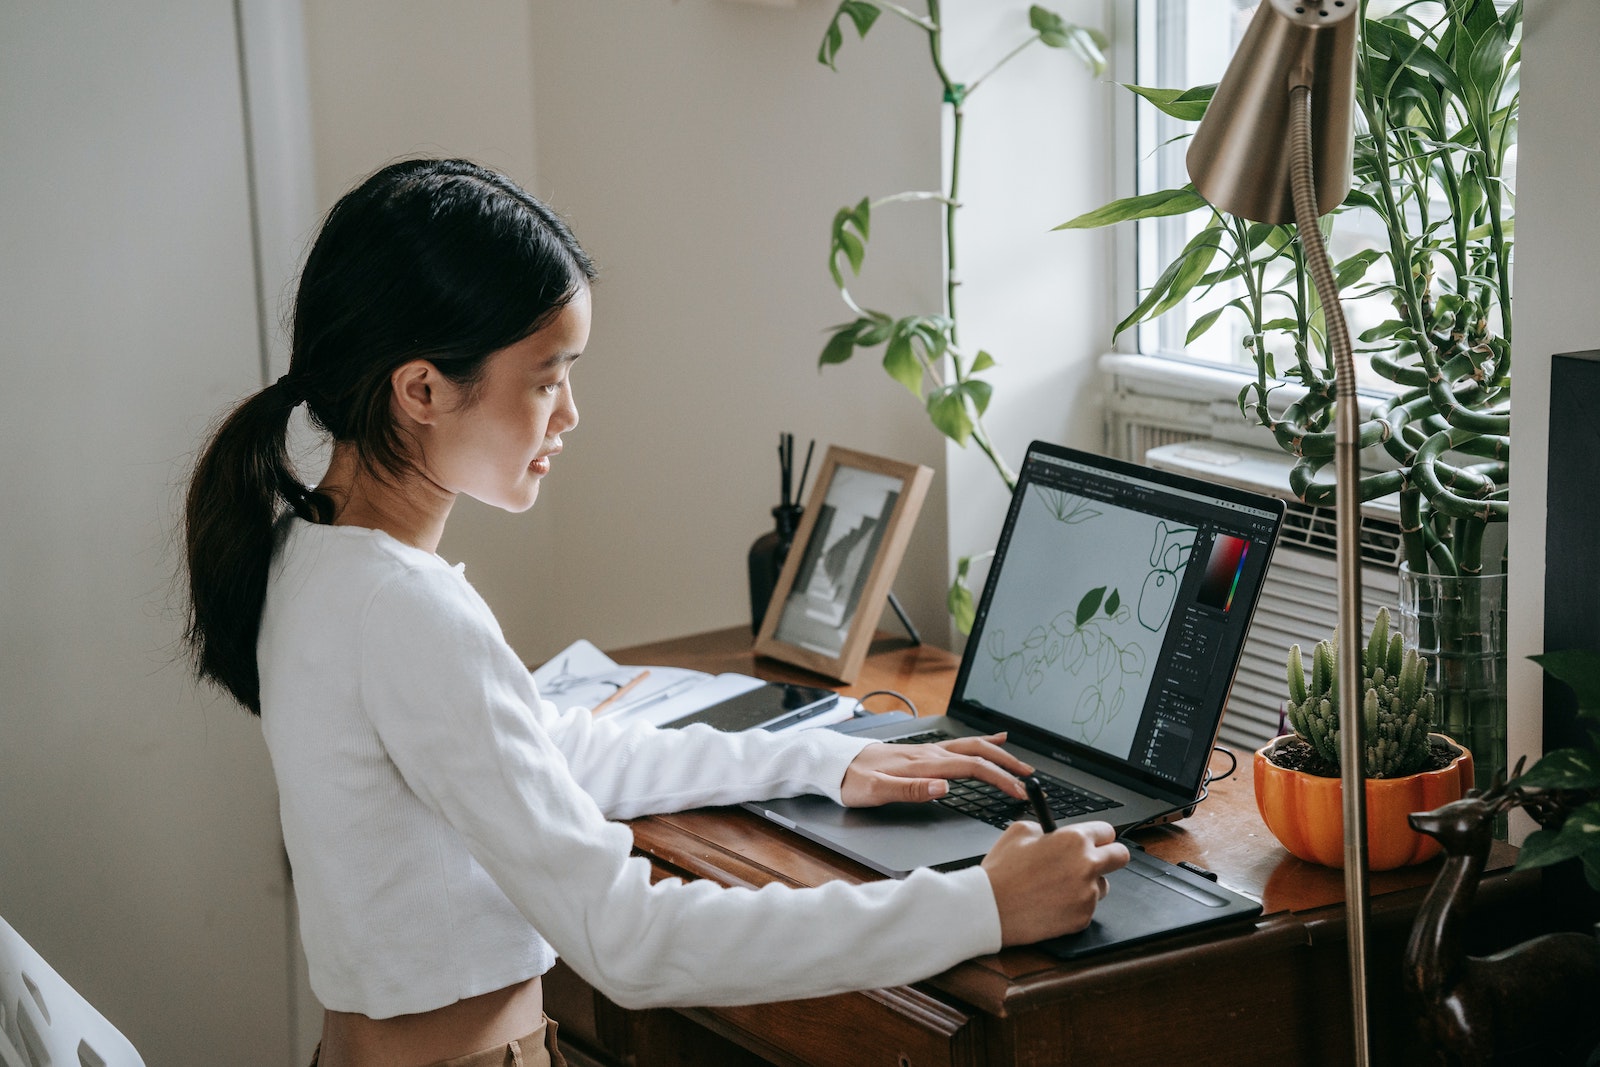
(925, 353)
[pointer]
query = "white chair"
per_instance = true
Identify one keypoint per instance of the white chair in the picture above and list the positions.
(43, 1020)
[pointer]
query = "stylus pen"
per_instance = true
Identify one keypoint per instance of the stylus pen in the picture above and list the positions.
(1041, 806)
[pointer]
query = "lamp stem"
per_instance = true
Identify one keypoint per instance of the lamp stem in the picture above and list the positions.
(1347, 535)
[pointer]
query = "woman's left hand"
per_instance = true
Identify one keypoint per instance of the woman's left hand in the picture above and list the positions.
(882, 773)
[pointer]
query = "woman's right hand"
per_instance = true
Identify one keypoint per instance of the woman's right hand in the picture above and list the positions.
(1046, 885)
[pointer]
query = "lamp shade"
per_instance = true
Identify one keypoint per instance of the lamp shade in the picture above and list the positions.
(1238, 159)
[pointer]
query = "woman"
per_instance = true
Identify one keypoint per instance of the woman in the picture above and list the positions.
(450, 832)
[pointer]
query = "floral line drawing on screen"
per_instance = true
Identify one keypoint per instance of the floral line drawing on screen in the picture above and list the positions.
(1169, 555)
(1065, 507)
(1085, 641)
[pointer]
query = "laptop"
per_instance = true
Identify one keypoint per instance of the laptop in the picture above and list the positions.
(1105, 642)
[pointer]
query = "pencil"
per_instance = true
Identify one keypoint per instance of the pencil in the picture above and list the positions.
(614, 697)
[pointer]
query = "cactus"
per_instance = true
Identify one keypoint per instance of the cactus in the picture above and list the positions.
(1397, 709)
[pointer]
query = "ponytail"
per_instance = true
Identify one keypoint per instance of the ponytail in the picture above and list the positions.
(241, 485)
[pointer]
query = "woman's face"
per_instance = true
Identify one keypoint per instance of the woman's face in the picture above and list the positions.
(498, 447)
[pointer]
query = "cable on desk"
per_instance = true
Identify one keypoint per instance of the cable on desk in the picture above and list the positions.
(863, 698)
(1205, 791)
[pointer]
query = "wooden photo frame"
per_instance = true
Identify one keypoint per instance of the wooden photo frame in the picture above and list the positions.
(836, 579)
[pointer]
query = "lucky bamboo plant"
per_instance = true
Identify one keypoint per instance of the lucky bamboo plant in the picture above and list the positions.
(1436, 107)
(1437, 99)
(926, 353)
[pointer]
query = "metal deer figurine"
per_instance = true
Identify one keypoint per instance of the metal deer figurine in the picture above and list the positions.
(1476, 1010)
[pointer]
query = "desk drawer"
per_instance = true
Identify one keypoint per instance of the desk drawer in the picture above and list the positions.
(900, 1027)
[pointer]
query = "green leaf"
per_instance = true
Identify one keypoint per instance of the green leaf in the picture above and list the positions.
(853, 245)
(959, 600)
(1165, 293)
(982, 362)
(1113, 602)
(1056, 32)
(947, 409)
(1359, 197)
(1564, 768)
(1384, 330)
(1193, 264)
(861, 13)
(840, 347)
(1048, 24)
(1090, 604)
(853, 250)
(901, 362)
(1579, 836)
(979, 392)
(1202, 324)
(1187, 104)
(874, 330)
(1479, 233)
(1403, 47)
(862, 217)
(1355, 268)
(1579, 669)
(1145, 206)
(831, 40)
(1541, 848)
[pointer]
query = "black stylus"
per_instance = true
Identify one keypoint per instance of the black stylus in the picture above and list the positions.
(1041, 807)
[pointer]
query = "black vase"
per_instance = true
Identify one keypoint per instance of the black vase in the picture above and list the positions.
(766, 560)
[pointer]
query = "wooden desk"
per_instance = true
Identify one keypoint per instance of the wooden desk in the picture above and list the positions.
(1273, 991)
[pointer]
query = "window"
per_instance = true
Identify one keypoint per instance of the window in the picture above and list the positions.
(1180, 44)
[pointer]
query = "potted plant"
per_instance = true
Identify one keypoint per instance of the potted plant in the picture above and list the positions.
(1437, 104)
(1408, 767)
(1562, 790)
(926, 353)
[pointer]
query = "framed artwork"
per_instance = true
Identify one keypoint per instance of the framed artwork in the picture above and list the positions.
(837, 576)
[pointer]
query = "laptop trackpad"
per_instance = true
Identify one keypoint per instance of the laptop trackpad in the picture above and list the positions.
(895, 839)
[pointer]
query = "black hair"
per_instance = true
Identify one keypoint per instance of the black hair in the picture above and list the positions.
(436, 259)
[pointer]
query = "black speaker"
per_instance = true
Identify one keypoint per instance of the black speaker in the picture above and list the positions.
(1571, 583)
(1572, 529)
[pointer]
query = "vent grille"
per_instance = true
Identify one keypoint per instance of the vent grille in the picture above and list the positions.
(1131, 438)
(1312, 529)
(1299, 605)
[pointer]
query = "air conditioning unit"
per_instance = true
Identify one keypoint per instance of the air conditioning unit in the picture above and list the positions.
(1299, 601)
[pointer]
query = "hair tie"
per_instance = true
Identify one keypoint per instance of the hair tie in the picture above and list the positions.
(289, 390)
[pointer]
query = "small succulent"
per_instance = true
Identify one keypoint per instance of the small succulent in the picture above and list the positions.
(1398, 708)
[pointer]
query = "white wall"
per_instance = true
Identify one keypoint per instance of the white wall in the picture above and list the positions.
(1558, 233)
(699, 152)
(1037, 151)
(139, 846)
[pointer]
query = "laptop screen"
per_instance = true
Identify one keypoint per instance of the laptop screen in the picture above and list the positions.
(1114, 615)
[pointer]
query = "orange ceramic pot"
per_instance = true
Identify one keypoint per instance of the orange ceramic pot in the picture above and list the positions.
(1305, 812)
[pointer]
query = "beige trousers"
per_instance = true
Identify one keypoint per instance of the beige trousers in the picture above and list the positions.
(538, 1049)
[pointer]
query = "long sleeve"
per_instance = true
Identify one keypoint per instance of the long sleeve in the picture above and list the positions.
(459, 717)
(635, 769)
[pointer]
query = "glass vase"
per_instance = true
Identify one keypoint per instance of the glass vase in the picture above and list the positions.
(1457, 623)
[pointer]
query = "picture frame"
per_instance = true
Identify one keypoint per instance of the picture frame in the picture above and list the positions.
(836, 579)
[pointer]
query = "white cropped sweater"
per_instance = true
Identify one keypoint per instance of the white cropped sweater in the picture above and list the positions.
(449, 834)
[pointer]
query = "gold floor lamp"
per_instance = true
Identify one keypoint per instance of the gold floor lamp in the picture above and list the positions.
(1274, 147)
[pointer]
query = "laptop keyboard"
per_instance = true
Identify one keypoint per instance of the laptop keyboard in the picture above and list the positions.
(987, 803)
